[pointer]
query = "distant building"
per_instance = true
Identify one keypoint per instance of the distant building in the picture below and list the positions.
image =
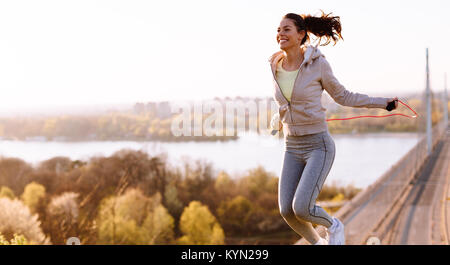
(163, 110)
(139, 108)
(151, 107)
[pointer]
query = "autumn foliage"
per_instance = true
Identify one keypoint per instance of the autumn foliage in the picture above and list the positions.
(131, 197)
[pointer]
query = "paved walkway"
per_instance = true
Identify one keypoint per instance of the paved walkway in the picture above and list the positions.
(421, 220)
(445, 209)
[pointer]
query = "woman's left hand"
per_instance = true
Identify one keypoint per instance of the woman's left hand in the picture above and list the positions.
(395, 100)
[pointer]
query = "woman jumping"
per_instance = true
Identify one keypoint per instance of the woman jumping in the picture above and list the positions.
(301, 73)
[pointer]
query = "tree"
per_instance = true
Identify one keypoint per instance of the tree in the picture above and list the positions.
(56, 164)
(14, 174)
(158, 226)
(16, 240)
(16, 218)
(235, 214)
(62, 217)
(256, 182)
(7, 193)
(133, 218)
(32, 194)
(49, 128)
(224, 185)
(199, 226)
(173, 203)
(198, 175)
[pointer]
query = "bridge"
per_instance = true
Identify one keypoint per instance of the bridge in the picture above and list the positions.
(410, 203)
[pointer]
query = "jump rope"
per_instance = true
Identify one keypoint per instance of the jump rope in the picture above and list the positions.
(389, 107)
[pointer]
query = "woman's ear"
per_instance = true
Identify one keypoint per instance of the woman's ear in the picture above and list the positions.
(302, 35)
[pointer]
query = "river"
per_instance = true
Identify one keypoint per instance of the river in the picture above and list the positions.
(360, 159)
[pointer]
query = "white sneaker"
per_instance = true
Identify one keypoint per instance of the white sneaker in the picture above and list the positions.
(322, 241)
(336, 232)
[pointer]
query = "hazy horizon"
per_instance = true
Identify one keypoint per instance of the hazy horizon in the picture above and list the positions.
(89, 108)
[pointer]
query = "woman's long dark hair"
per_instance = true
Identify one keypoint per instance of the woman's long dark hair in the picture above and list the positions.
(324, 26)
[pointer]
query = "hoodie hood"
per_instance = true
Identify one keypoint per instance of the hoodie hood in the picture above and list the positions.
(310, 53)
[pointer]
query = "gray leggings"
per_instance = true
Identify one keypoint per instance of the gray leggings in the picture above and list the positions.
(307, 162)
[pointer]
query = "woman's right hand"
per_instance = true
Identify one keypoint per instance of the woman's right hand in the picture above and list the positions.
(275, 123)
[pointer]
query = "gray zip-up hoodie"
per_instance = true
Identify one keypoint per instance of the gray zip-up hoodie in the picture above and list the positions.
(305, 113)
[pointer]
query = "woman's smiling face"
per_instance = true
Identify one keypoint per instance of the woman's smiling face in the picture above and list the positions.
(287, 35)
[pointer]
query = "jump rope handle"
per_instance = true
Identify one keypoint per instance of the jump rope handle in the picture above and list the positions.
(391, 105)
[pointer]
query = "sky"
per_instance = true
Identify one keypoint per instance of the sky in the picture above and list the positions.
(67, 53)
